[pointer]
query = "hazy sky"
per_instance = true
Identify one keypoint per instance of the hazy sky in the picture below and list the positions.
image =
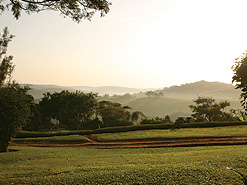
(140, 43)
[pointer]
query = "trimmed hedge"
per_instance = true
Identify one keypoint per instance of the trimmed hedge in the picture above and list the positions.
(25, 134)
(212, 124)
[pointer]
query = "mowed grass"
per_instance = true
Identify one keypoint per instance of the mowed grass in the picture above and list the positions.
(53, 139)
(191, 165)
(186, 132)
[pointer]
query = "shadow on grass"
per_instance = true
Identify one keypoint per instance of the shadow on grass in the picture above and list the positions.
(12, 150)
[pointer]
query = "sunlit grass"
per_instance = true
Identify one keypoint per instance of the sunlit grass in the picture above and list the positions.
(186, 132)
(53, 139)
(192, 165)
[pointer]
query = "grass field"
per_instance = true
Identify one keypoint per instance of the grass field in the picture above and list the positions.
(185, 132)
(168, 165)
(192, 165)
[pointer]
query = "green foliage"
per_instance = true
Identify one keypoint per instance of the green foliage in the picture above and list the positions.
(76, 9)
(240, 78)
(104, 103)
(182, 165)
(206, 109)
(71, 109)
(14, 112)
(37, 134)
(113, 114)
(115, 129)
(154, 94)
(34, 122)
(137, 116)
(156, 120)
(166, 126)
(179, 122)
(6, 66)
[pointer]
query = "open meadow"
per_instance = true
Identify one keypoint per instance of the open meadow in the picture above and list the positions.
(181, 165)
(185, 132)
(164, 165)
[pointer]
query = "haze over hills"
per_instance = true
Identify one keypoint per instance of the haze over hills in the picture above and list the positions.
(202, 88)
(187, 91)
(37, 91)
(174, 103)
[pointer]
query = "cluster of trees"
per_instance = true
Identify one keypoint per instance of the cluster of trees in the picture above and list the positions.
(206, 110)
(116, 97)
(156, 120)
(78, 110)
(154, 94)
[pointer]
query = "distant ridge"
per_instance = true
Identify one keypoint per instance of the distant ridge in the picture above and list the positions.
(185, 91)
(174, 103)
(37, 91)
(202, 88)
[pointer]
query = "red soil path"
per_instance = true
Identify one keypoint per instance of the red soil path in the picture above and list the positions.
(94, 142)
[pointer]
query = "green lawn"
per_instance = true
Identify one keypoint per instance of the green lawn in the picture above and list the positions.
(53, 139)
(191, 165)
(235, 130)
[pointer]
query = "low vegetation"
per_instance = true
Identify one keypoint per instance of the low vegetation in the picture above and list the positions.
(186, 132)
(53, 139)
(168, 126)
(193, 165)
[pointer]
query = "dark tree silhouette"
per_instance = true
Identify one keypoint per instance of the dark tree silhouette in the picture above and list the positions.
(6, 66)
(240, 78)
(206, 109)
(14, 112)
(75, 9)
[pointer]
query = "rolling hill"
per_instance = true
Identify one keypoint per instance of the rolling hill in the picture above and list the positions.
(37, 91)
(175, 107)
(202, 88)
(174, 103)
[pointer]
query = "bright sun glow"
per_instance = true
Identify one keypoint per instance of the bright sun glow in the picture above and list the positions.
(138, 44)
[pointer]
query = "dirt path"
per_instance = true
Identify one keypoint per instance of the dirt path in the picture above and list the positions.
(92, 141)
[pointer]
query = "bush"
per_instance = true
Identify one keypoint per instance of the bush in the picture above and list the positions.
(14, 112)
(156, 120)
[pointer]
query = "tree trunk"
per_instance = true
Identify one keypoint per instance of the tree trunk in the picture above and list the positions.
(4, 142)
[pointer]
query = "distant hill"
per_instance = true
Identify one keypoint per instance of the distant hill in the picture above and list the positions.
(191, 90)
(202, 88)
(37, 91)
(161, 107)
(174, 103)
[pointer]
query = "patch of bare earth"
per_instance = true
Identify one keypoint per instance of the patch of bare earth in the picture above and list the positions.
(94, 142)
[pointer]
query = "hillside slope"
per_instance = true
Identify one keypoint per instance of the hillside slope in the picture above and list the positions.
(161, 107)
(202, 88)
(37, 91)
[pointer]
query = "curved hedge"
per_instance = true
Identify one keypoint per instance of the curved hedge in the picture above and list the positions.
(24, 134)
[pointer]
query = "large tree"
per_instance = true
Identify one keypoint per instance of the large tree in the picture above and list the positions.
(6, 65)
(206, 109)
(14, 112)
(72, 109)
(75, 9)
(113, 114)
(240, 78)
